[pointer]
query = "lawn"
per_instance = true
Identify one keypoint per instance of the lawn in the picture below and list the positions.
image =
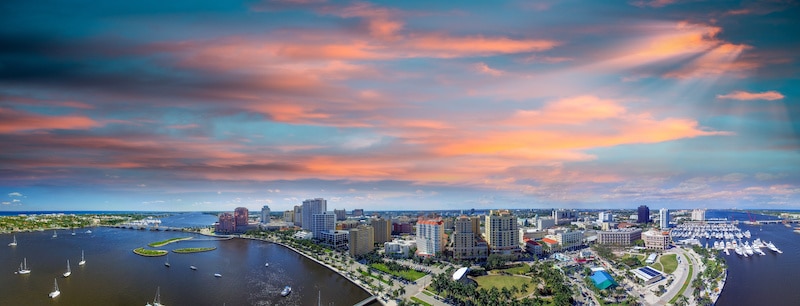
(193, 250)
(520, 269)
(165, 242)
(408, 274)
(670, 263)
(507, 281)
(421, 302)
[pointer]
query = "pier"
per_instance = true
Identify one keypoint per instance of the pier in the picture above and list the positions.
(366, 301)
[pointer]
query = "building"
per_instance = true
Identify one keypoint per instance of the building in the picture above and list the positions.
(551, 244)
(383, 230)
(347, 224)
(569, 240)
(430, 237)
(358, 212)
(603, 280)
(335, 239)
(240, 216)
(265, 214)
(526, 234)
(466, 244)
(663, 216)
(619, 237)
(699, 215)
(399, 248)
(402, 228)
(648, 275)
(502, 233)
(288, 216)
(476, 224)
(226, 224)
(533, 248)
(604, 216)
(312, 207)
(545, 223)
(643, 215)
(341, 214)
(362, 240)
(298, 215)
(656, 240)
(325, 221)
(563, 216)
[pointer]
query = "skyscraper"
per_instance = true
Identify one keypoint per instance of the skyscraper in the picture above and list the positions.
(240, 215)
(358, 212)
(644, 214)
(663, 215)
(265, 214)
(226, 223)
(502, 233)
(383, 230)
(312, 207)
(341, 214)
(465, 246)
(362, 240)
(297, 217)
(430, 237)
(325, 221)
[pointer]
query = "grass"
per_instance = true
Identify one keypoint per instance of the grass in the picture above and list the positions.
(418, 301)
(166, 242)
(193, 250)
(670, 263)
(657, 266)
(641, 257)
(685, 284)
(375, 277)
(426, 292)
(408, 274)
(507, 281)
(520, 269)
(150, 253)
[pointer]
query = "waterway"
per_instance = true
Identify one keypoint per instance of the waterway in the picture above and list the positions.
(114, 275)
(772, 279)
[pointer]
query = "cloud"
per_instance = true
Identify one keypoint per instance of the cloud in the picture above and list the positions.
(652, 3)
(16, 200)
(485, 69)
(15, 194)
(743, 95)
(6, 203)
(12, 121)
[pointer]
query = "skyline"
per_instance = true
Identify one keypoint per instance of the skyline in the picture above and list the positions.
(393, 106)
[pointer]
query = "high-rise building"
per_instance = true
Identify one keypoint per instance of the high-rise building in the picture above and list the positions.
(226, 223)
(604, 216)
(325, 221)
(699, 215)
(383, 230)
(644, 214)
(663, 215)
(240, 215)
(288, 216)
(341, 214)
(265, 214)
(502, 233)
(563, 216)
(358, 212)
(362, 240)
(312, 207)
(430, 236)
(298, 215)
(569, 240)
(465, 244)
(475, 221)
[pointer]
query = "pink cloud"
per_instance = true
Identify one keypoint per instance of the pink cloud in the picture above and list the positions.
(485, 69)
(743, 95)
(17, 121)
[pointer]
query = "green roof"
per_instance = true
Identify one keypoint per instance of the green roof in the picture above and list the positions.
(602, 280)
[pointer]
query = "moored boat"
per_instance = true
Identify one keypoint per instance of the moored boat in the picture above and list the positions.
(55, 292)
(286, 291)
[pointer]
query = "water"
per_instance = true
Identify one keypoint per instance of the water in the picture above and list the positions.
(114, 275)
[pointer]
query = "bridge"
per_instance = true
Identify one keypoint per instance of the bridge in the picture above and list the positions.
(367, 301)
(774, 221)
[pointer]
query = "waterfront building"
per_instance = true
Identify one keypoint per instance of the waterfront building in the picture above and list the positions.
(663, 215)
(358, 212)
(362, 240)
(240, 215)
(466, 245)
(502, 233)
(341, 214)
(430, 237)
(643, 215)
(265, 214)
(325, 221)
(399, 248)
(288, 216)
(699, 215)
(312, 207)
(619, 237)
(338, 240)
(226, 224)
(298, 215)
(383, 230)
(656, 240)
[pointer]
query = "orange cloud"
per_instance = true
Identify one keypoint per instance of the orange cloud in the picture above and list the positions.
(16, 121)
(743, 95)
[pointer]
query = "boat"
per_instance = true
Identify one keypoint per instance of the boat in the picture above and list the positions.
(193, 267)
(88, 231)
(266, 264)
(69, 271)
(55, 292)
(73, 232)
(286, 291)
(83, 261)
(217, 275)
(166, 263)
(157, 299)
(13, 243)
(55, 234)
(23, 267)
(773, 248)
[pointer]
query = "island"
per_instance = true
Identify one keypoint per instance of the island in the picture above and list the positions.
(166, 242)
(149, 253)
(193, 250)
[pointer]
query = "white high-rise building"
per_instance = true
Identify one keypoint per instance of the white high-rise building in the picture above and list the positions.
(663, 214)
(699, 215)
(326, 221)
(312, 207)
(604, 216)
(502, 233)
(430, 237)
(265, 214)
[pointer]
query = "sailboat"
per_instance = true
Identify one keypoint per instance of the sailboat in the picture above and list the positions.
(166, 263)
(23, 267)
(69, 271)
(83, 261)
(55, 234)
(73, 232)
(13, 243)
(55, 292)
(157, 300)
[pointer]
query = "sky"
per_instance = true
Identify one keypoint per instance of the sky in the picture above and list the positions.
(399, 105)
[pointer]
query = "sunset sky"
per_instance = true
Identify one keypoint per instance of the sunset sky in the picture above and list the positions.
(396, 105)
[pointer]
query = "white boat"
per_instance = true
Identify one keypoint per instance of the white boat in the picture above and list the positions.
(286, 291)
(217, 275)
(739, 251)
(773, 248)
(748, 249)
(157, 299)
(55, 292)
(23, 267)
(73, 232)
(13, 243)
(55, 234)
(727, 252)
(266, 264)
(166, 263)
(69, 271)
(747, 233)
(193, 267)
(88, 231)
(83, 261)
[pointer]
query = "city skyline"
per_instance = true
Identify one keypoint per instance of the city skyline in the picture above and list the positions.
(399, 106)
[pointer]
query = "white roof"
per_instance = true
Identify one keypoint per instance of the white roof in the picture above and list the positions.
(460, 273)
